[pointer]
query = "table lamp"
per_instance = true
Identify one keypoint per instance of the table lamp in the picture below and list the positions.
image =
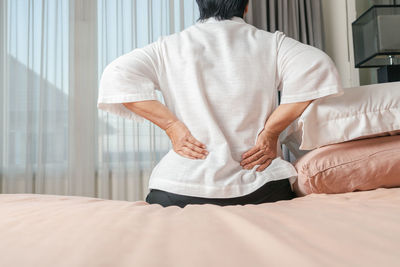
(376, 39)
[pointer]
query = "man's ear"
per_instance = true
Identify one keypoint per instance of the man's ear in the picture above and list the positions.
(246, 9)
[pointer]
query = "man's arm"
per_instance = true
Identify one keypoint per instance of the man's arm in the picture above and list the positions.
(284, 115)
(154, 111)
(265, 149)
(182, 140)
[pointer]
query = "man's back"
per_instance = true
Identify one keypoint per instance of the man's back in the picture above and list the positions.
(218, 77)
(220, 80)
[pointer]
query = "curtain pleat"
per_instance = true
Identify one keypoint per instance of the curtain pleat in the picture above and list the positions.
(4, 46)
(29, 185)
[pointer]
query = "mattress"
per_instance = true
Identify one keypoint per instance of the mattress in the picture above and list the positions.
(350, 229)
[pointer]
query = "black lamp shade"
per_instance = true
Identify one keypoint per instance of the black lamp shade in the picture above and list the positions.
(376, 37)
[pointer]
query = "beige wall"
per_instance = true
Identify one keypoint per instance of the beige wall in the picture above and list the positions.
(338, 15)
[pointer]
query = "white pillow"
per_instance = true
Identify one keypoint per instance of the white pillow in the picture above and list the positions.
(361, 112)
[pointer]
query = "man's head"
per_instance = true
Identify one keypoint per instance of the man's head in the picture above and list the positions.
(222, 9)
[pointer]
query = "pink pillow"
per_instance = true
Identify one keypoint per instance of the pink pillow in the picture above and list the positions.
(350, 166)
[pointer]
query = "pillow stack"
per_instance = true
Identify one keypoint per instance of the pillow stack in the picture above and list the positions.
(348, 143)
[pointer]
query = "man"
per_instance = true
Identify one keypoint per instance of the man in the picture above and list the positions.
(219, 79)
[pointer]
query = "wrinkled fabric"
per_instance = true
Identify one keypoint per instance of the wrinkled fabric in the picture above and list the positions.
(352, 229)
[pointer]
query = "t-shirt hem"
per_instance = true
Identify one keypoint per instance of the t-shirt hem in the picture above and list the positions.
(113, 104)
(127, 98)
(196, 190)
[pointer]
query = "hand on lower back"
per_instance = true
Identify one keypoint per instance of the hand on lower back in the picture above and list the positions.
(184, 143)
(262, 153)
(265, 149)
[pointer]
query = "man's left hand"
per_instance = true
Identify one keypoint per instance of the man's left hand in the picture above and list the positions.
(183, 141)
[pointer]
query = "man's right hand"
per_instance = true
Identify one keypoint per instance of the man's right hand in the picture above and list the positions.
(262, 153)
(265, 150)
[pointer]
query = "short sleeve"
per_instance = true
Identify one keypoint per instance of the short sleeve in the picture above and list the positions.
(132, 77)
(304, 72)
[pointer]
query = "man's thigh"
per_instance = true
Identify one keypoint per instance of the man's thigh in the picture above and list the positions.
(166, 199)
(270, 192)
(276, 191)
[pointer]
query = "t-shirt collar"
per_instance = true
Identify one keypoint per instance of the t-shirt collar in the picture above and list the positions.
(214, 20)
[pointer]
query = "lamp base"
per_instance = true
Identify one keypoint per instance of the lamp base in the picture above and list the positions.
(390, 73)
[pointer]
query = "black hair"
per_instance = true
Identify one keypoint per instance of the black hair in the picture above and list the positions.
(221, 9)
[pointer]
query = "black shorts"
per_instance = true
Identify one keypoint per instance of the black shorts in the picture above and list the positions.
(270, 192)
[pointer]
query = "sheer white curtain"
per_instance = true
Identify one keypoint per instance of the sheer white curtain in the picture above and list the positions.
(53, 140)
(34, 96)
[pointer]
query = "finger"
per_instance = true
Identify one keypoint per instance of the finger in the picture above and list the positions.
(252, 158)
(196, 148)
(264, 166)
(196, 142)
(261, 160)
(192, 153)
(250, 152)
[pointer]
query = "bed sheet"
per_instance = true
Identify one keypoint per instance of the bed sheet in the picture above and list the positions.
(351, 229)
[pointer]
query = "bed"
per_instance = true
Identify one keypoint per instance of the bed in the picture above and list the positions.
(350, 229)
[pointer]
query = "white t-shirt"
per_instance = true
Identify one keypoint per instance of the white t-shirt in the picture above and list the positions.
(221, 79)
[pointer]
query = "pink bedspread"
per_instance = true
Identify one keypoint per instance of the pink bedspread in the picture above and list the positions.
(352, 229)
